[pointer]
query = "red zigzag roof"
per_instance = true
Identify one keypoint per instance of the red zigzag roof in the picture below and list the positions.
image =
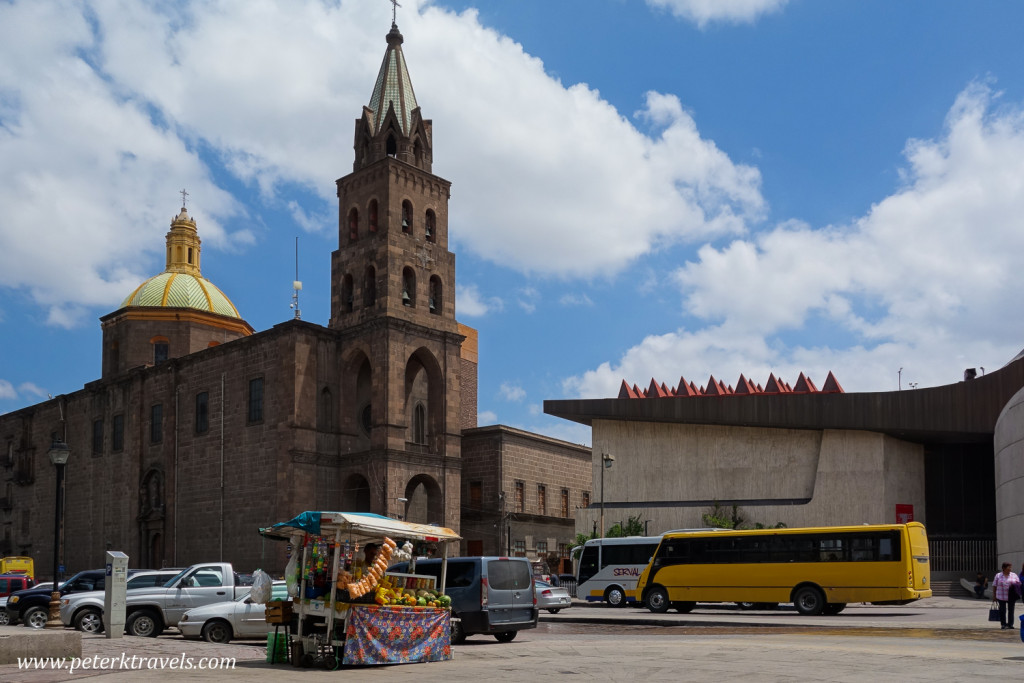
(744, 387)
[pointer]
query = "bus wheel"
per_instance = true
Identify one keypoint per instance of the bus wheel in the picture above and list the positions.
(809, 601)
(834, 608)
(684, 607)
(614, 596)
(747, 605)
(657, 600)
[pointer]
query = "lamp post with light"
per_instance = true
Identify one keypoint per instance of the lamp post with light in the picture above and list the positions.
(403, 502)
(606, 462)
(58, 453)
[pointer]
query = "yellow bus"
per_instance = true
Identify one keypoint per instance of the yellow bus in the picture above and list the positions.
(818, 569)
(18, 565)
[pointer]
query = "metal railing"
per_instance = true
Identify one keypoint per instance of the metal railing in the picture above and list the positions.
(962, 554)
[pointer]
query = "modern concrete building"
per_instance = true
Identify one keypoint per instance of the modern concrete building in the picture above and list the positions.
(949, 456)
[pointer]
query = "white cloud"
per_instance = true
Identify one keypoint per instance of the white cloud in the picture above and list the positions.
(108, 107)
(926, 280)
(528, 298)
(575, 300)
(7, 389)
(470, 303)
(704, 12)
(486, 417)
(31, 389)
(511, 392)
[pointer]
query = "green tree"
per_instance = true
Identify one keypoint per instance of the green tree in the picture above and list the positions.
(721, 518)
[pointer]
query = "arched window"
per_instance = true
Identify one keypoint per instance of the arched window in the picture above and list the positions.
(370, 288)
(417, 152)
(190, 255)
(373, 215)
(391, 148)
(430, 226)
(353, 225)
(407, 217)
(409, 288)
(435, 295)
(419, 424)
(346, 293)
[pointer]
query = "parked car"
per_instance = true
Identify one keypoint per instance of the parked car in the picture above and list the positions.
(151, 610)
(4, 620)
(9, 583)
(32, 606)
(84, 611)
(552, 598)
(493, 595)
(222, 622)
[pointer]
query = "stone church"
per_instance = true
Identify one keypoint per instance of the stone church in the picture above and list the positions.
(200, 429)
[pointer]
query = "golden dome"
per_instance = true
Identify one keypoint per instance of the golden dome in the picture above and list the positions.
(182, 290)
(182, 285)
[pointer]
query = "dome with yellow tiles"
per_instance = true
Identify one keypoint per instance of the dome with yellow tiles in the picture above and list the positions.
(182, 290)
(182, 285)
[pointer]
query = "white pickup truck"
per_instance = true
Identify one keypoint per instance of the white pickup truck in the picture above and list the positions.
(151, 610)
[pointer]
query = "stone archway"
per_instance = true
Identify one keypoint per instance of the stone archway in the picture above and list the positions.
(355, 494)
(425, 500)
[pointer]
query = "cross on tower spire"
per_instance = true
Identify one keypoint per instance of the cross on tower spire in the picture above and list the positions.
(394, 10)
(183, 196)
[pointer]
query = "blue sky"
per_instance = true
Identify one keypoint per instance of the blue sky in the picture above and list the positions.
(640, 189)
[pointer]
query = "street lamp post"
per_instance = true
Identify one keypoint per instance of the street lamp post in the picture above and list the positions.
(606, 461)
(58, 453)
(403, 502)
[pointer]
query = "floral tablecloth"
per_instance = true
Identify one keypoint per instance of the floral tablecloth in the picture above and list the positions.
(384, 634)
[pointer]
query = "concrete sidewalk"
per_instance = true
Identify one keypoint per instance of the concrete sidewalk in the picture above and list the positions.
(936, 612)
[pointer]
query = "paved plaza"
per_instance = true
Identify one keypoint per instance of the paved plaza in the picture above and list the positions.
(937, 640)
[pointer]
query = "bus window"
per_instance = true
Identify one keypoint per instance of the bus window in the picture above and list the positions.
(588, 563)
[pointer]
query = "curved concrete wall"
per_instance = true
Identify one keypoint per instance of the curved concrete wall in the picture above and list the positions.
(800, 477)
(1009, 475)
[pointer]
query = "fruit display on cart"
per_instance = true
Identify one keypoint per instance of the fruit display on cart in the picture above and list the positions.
(407, 597)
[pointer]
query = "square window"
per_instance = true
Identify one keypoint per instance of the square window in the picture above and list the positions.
(202, 412)
(256, 400)
(156, 423)
(97, 436)
(117, 435)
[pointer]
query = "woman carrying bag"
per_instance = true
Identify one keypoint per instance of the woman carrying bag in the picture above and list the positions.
(1005, 589)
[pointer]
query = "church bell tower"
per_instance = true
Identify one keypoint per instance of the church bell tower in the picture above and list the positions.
(393, 305)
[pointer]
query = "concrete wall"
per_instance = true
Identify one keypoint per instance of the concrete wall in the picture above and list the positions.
(1009, 475)
(798, 477)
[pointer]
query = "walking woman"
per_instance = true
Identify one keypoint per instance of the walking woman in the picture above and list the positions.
(1005, 587)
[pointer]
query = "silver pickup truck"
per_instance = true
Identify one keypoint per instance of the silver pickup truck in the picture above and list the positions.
(84, 611)
(151, 610)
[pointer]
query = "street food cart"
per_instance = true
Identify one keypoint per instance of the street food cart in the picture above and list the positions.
(349, 614)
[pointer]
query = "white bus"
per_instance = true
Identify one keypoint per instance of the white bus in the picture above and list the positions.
(609, 567)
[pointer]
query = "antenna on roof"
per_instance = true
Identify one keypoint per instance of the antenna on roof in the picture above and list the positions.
(296, 285)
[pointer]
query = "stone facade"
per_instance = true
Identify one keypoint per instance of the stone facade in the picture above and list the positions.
(520, 491)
